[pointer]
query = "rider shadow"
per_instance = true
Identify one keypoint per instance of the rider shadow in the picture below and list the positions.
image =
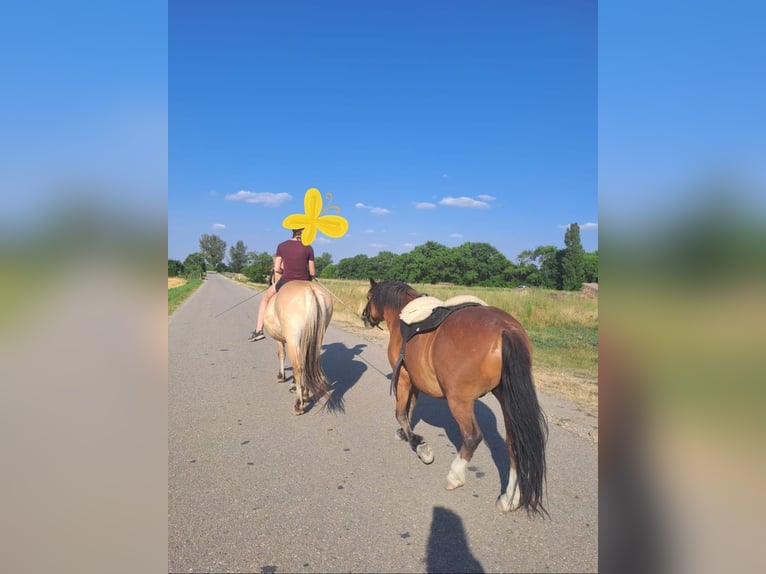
(436, 413)
(342, 371)
(448, 549)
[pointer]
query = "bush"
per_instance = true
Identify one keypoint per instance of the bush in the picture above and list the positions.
(175, 268)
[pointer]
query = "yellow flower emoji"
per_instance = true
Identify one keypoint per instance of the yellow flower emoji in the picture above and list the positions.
(313, 220)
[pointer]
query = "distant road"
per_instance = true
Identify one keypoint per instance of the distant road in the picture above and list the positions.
(254, 488)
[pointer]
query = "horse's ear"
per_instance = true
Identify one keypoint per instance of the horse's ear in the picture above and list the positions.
(372, 282)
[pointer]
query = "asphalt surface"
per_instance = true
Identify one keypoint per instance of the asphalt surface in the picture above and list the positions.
(254, 488)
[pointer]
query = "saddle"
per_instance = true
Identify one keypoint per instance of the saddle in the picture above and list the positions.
(426, 314)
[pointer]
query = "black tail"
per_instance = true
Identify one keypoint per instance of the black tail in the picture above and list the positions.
(528, 427)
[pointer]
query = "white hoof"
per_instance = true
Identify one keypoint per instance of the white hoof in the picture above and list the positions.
(511, 498)
(456, 476)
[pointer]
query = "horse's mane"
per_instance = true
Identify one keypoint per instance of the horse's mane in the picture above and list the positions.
(393, 294)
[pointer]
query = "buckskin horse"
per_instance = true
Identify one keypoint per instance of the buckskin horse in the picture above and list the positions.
(297, 317)
(459, 353)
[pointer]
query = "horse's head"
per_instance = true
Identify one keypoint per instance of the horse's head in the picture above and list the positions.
(372, 314)
(386, 297)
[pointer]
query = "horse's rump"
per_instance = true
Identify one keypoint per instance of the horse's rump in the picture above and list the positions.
(298, 316)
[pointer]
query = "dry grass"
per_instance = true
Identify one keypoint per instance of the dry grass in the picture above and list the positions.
(174, 282)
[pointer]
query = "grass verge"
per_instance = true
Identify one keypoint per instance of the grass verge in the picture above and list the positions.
(178, 295)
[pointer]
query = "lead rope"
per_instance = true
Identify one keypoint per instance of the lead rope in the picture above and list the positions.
(343, 303)
(360, 318)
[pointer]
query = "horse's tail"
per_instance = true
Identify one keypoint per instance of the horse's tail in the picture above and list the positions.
(311, 346)
(527, 425)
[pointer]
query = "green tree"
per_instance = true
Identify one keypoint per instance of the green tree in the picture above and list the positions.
(321, 262)
(481, 264)
(356, 267)
(237, 256)
(572, 260)
(381, 266)
(214, 249)
(548, 266)
(426, 263)
(330, 272)
(590, 266)
(259, 267)
(194, 265)
(175, 268)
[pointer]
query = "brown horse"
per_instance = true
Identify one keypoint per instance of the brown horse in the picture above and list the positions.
(475, 350)
(297, 317)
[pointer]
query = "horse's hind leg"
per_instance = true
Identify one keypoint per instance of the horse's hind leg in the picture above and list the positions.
(406, 396)
(472, 437)
(281, 357)
(508, 500)
(301, 393)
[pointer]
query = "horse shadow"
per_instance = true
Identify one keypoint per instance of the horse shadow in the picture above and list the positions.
(436, 413)
(343, 371)
(448, 549)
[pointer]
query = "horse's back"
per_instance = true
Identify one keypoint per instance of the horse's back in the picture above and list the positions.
(467, 346)
(294, 304)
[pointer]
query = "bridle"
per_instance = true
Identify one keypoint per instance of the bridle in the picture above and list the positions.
(368, 320)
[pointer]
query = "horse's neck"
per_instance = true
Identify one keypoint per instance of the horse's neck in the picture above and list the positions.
(393, 320)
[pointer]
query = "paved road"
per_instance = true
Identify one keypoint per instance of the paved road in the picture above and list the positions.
(253, 488)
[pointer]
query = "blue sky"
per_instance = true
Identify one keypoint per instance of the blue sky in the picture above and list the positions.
(442, 121)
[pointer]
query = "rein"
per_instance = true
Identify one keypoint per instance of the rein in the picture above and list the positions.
(240, 303)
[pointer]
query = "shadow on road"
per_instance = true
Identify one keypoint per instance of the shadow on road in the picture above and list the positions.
(447, 545)
(343, 371)
(436, 413)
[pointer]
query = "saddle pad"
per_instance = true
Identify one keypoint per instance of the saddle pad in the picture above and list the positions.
(461, 299)
(419, 309)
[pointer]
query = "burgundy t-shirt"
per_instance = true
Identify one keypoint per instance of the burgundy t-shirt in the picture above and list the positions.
(295, 259)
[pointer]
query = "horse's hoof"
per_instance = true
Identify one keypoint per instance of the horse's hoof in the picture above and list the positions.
(400, 435)
(505, 503)
(425, 453)
(292, 388)
(452, 485)
(297, 410)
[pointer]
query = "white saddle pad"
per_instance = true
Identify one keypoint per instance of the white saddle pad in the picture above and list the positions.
(420, 308)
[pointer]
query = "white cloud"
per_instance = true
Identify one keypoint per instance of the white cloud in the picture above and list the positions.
(265, 198)
(408, 245)
(219, 226)
(463, 202)
(321, 239)
(368, 231)
(484, 197)
(583, 227)
(377, 245)
(456, 235)
(375, 210)
(424, 205)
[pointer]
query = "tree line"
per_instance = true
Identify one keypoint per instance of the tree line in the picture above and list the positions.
(469, 264)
